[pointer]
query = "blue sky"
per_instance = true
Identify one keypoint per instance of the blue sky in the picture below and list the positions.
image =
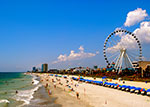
(38, 31)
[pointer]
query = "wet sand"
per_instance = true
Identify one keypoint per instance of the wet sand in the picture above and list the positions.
(42, 99)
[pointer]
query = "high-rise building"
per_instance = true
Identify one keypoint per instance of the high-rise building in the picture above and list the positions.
(34, 69)
(44, 67)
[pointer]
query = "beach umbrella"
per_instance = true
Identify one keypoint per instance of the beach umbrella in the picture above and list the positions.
(109, 84)
(112, 85)
(137, 90)
(104, 77)
(143, 91)
(116, 85)
(127, 88)
(148, 90)
(132, 88)
(89, 81)
(124, 87)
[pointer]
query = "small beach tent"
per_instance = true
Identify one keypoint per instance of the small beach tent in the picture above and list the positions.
(59, 75)
(50, 74)
(65, 76)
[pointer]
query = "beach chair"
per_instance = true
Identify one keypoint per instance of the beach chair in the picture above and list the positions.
(116, 86)
(105, 84)
(112, 85)
(101, 83)
(90, 81)
(86, 80)
(123, 87)
(120, 87)
(127, 88)
(95, 82)
(137, 90)
(132, 89)
(148, 92)
(109, 84)
(143, 91)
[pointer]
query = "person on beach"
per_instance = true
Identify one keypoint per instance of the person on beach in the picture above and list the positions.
(123, 81)
(49, 92)
(77, 94)
(54, 85)
(46, 85)
(16, 92)
(52, 80)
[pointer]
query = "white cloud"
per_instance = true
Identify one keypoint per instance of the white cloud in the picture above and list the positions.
(75, 56)
(136, 16)
(128, 42)
(143, 33)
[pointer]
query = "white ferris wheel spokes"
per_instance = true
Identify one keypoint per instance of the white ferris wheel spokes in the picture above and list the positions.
(120, 48)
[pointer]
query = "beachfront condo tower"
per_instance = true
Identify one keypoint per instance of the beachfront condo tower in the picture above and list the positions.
(44, 67)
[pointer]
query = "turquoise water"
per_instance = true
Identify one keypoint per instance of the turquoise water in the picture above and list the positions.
(12, 82)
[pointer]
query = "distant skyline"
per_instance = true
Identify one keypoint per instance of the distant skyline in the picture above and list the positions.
(66, 33)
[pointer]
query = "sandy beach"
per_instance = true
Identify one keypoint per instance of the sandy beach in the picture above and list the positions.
(91, 95)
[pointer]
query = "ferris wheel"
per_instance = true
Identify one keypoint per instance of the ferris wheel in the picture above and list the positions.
(121, 49)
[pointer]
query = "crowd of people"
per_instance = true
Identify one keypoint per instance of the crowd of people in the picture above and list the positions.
(67, 84)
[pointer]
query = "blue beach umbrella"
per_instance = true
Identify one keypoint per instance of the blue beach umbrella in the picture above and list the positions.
(74, 78)
(138, 88)
(124, 86)
(132, 87)
(148, 90)
(127, 86)
(104, 77)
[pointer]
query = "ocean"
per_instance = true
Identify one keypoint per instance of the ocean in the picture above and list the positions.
(10, 82)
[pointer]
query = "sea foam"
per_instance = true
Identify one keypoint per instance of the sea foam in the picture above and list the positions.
(4, 101)
(35, 81)
(26, 95)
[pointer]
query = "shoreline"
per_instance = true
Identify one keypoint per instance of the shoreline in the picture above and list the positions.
(58, 98)
(42, 99)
